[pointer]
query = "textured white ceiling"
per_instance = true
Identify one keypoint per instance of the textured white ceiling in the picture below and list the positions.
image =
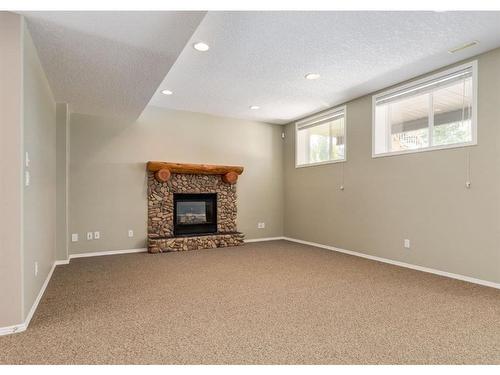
(109, 63)
(260, 58)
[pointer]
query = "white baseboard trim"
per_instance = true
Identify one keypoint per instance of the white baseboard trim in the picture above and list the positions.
(112, 252)
(264, 239)
(39, 297)
(400, 264)
(12, 329)
(61, 262)
(24, 325)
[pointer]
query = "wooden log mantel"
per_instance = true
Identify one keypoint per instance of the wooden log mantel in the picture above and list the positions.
(163, 170)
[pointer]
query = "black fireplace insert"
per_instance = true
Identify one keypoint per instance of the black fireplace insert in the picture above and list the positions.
(195, 213)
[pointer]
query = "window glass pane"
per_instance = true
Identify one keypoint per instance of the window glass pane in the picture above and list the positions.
(380, 132)
(318, 143)
(409, 123)
(302, 147)
(321, 142)
(452, 113)
(337, 132)
(405, 117)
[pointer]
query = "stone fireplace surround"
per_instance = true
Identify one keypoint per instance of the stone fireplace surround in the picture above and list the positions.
(165, 179)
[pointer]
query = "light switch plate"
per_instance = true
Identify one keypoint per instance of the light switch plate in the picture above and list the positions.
(97, 235)
(89, 236)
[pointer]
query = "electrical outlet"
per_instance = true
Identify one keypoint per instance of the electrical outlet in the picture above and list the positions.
(74, 237)
(89, 236)
(27, 159)
(27, 178)
(130, 233)
(36, 268)
(406, 243)
(97, 235)
(261, 225)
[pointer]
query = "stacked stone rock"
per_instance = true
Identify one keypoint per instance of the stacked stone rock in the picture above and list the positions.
(195, 243)
(161, 212)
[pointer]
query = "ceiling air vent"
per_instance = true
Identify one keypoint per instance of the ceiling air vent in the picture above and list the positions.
(463, 46)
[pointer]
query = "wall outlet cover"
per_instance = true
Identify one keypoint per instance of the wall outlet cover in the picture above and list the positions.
(261, 225)
(130, 233)
(97, 235)
(74, 237)
(406, 243)
(89, 236)
(36, 268)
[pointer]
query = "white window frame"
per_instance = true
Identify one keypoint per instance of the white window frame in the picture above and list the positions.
(473, 142)
(311, 120)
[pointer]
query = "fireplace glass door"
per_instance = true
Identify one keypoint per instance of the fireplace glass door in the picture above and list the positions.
(195, 214)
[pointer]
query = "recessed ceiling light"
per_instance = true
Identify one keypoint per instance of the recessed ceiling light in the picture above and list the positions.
(463, 46)
(312, 76)
(202, 47)
(254, 107)
(167, 92)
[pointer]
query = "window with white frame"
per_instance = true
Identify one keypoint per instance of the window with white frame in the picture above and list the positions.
(321, 139)
(433, 113)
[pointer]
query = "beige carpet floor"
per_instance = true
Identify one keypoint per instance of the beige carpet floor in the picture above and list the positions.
(263, 303)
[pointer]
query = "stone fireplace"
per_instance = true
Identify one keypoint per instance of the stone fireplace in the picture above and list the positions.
(191, 206)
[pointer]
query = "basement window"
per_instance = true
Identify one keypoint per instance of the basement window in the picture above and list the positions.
(321, 139)
(434, 113)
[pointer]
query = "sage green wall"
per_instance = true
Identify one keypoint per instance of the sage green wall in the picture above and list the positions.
(420, 196)
(10, 169)
(108, 176)
(39, 206)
